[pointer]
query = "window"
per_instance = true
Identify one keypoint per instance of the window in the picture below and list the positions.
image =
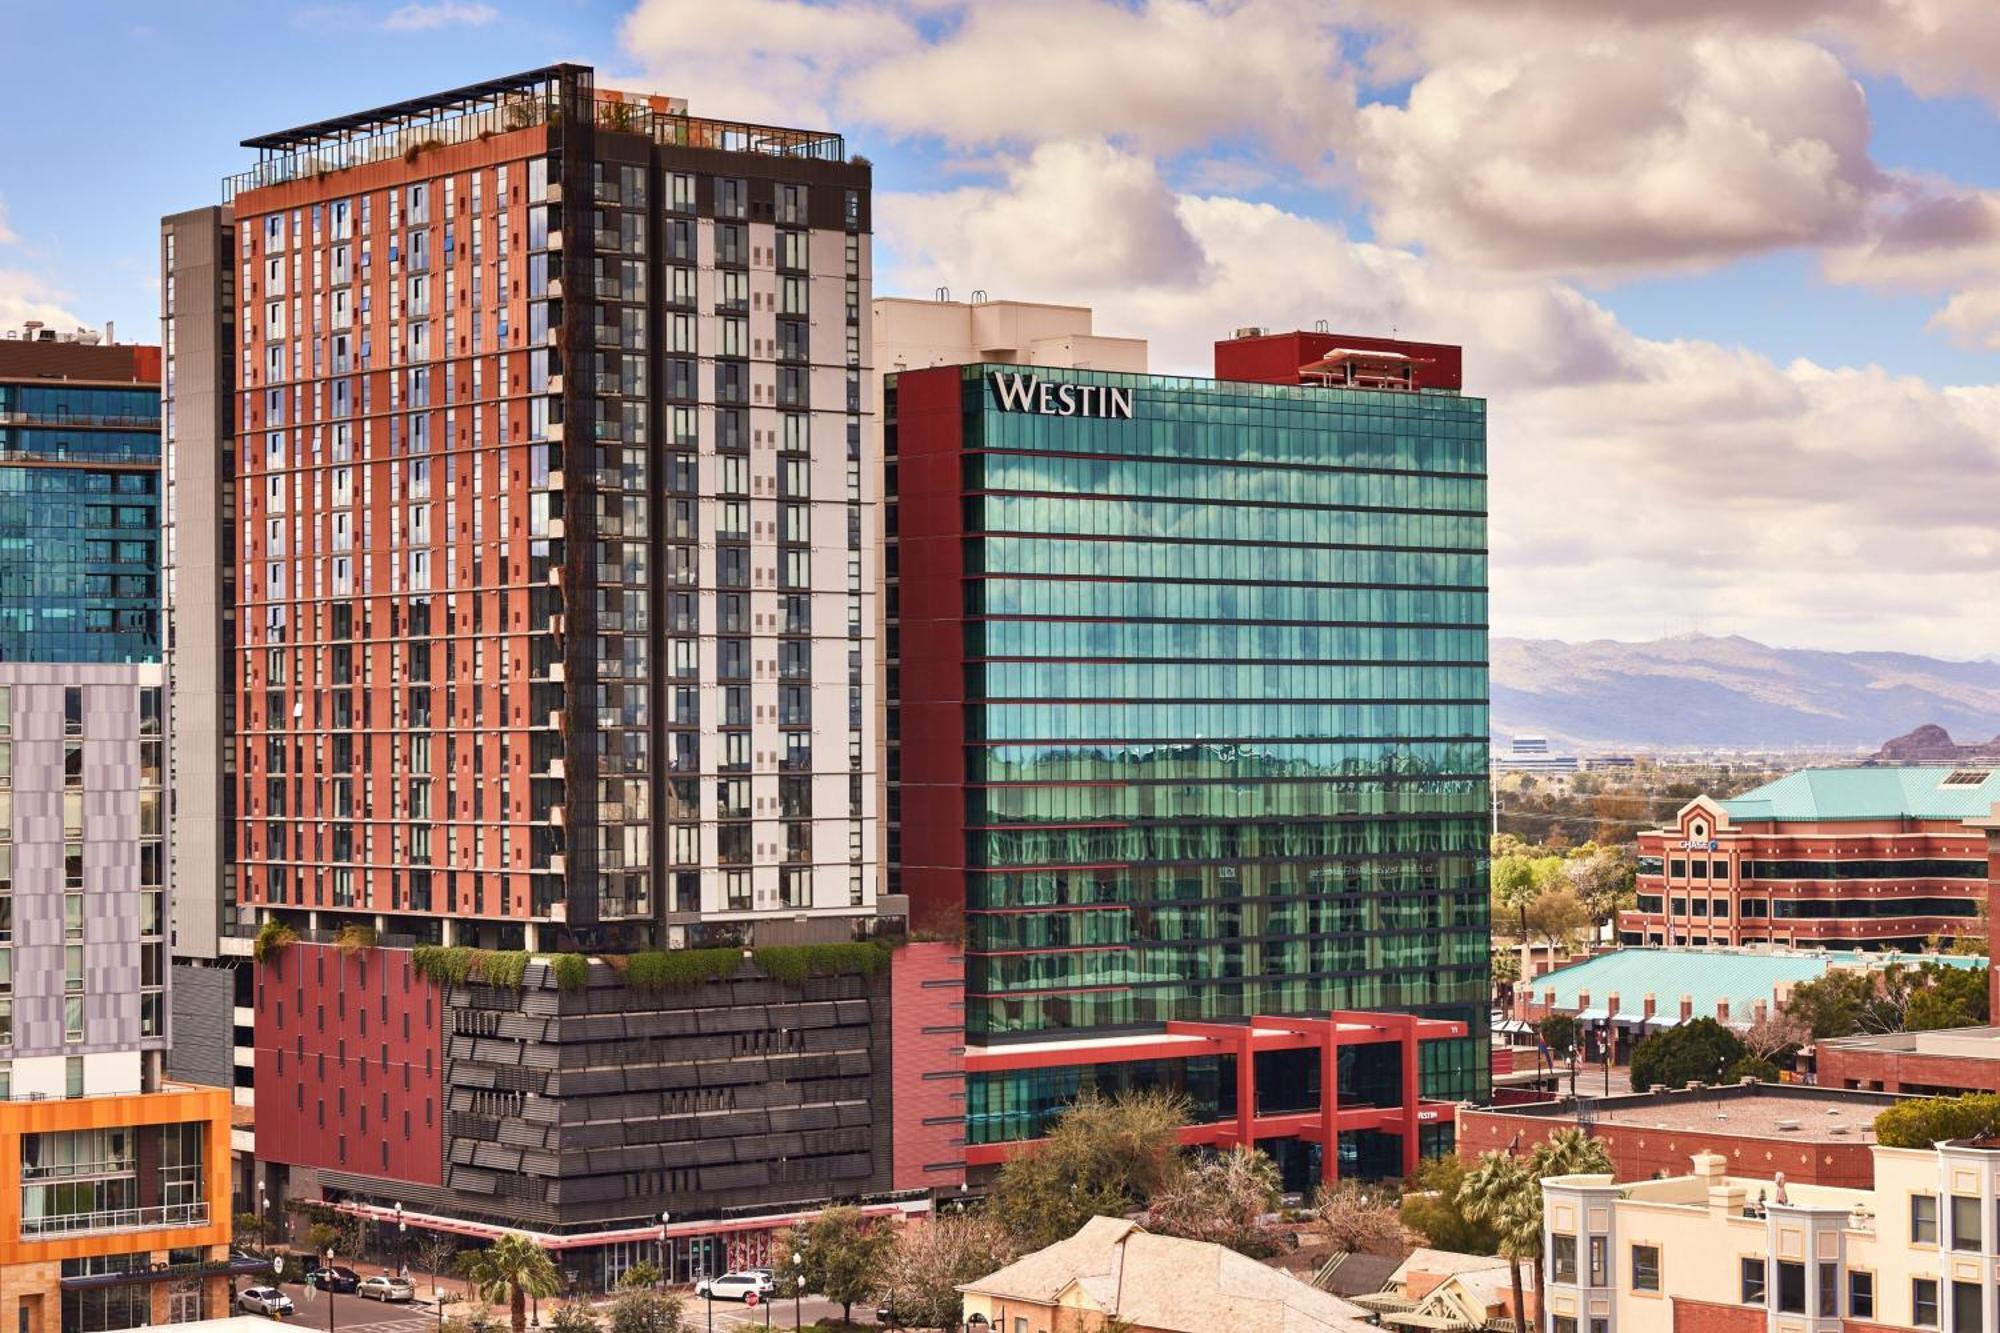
(1965, 1223)
(1753, 1281)
(73, 1076)
(1645, 1268)
(1923, 1219)
(1791, 1287)
(1599, 1261)
(1860, 1295)
(73, 1019)
(1562, 1256)
(1565, 1323)
(1829, 1291)
(73, 710)
(1924, 1302)
(1968, 1307)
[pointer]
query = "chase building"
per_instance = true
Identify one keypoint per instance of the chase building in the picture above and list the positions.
(1188, 734)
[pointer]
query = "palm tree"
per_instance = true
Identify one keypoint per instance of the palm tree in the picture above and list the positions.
(1506, 1193)
(512, 1269)
(1498, 1192)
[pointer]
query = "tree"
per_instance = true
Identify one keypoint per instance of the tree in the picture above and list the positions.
(1750, 1066)
(642, 1310)
(645, 1273)
(1500, 1194)
(846, 1259)
(1946, 997)
(573, 1317)
(1557, 917)
(1506, 975)
(1221, 1198)
(511, 1269)
(931, 1259)
(257, 1232)
(1431, 1208)
(1924, 1121)
(1693, 1052)
(1830, 1005)
(1602, 878)
(1775, 1036)
(435, 1252)
(1103, 1156)
(1358, 1220)
(1560, 1031)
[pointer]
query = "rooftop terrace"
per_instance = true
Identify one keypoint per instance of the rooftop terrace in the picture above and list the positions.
(494, 106)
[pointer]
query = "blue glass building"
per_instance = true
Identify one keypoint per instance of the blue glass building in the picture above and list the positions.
(79, 503)
(1190, 719)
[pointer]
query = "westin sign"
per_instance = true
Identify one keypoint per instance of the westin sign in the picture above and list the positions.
(1024, 393)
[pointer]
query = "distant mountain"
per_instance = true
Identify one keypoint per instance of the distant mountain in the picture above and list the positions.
(1698, 691)
(1931, 744)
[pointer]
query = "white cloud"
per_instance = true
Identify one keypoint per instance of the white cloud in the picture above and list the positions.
(25, 296)
(1637, 484)
(7, 235)
(1170, 75)
(420, 16)
(1562, 137)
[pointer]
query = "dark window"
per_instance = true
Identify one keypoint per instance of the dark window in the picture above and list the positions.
(1562, 1258)
(1924, 1302)
(1791, 1287)
(1753, 1281)
(1968, 1307)
(1965, 1223)
(1923, 1219)
(1645, 1268)
(1861, 1295)
(1829, 1291)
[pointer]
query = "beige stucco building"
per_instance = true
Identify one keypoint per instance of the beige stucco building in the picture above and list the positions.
(1715, 1251)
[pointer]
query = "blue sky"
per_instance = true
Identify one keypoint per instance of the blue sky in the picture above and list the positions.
(1674, 245)
(84, 189)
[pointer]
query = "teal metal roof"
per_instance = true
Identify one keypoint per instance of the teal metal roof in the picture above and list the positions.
(1871, 793)
(1707, 975)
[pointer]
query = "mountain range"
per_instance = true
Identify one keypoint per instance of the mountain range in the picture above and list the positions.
(1698, 691)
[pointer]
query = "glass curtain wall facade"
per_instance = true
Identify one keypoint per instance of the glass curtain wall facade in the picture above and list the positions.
(79, 519)
(1225, 711)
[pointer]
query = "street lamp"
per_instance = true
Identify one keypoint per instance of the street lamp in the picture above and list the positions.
(402, 1243)
(329, 1289)
(667, 1249)
(798, 1285)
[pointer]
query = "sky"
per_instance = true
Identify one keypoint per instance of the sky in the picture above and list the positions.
(1728, 273)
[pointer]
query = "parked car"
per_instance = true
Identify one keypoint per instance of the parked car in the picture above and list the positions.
(335, 1278)
(736, 1286)
(386, 1288)
(264, 1300)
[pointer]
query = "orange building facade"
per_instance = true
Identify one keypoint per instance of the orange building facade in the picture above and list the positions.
(121, 1214)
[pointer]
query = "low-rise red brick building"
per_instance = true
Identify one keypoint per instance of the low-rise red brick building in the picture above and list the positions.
(1816, 1136)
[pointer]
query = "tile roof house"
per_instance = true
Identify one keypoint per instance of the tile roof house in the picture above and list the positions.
(1115, 1269)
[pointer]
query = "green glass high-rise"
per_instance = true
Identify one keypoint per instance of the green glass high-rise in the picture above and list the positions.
(1189, 709)
(79, 502)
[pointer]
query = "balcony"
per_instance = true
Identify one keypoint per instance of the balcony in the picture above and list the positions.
(119, 1219)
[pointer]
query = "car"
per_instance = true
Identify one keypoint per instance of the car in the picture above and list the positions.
(386, 1288)
(736, 1287)
(264, 1300)
(333, 1278)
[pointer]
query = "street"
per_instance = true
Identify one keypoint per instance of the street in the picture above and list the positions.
(352, 1312)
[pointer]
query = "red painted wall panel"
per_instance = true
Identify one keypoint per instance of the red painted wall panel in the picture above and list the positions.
(930, 521)
(1275, 358)
(350, 1056)
(927, 1016)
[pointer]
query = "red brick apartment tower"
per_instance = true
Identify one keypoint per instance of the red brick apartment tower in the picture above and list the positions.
(553, 549)
(511, 396)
